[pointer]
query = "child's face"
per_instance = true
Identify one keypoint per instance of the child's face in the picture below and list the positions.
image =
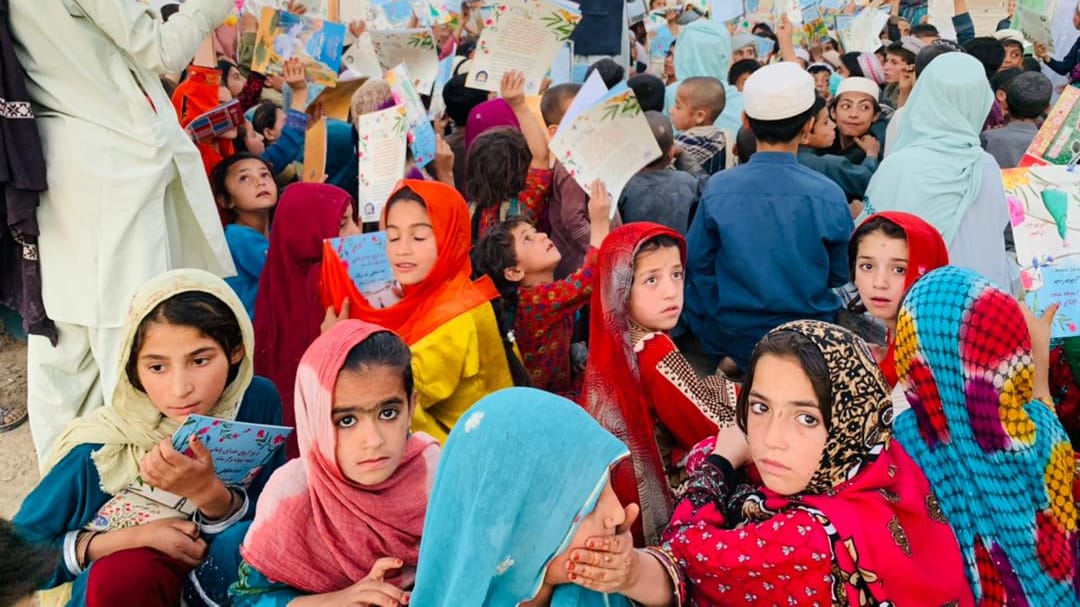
(601, 522)
(371, 415)
(656, 296)
(669, 65)
(894, 68)
(855, 112)
(348, 226)
(182, 370)
(1014, 57)
(904, 27)
(410, 242)
(250, 185)
(823, 134)
(275, 133)
(535, 252)
(880, 272)
(253, 140)
(235, 82)
(784, 424)
(683, 115)
(740, 82)
(821, 84)
(746, 52)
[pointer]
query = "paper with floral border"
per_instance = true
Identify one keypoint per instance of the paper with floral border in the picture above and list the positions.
(381, 144)
(415, 48)
(523, 35)
(1044, 210)
(421, 137)
(240, 451)
(611, 141)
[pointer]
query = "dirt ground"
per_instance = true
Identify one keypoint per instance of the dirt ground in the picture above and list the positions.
(18, 465)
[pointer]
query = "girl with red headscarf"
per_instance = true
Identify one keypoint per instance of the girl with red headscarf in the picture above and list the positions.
(288, 307)
(888, 252)
(459, 352)
(637, 384)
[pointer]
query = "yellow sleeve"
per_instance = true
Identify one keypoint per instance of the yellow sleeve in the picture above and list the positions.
(443, 362)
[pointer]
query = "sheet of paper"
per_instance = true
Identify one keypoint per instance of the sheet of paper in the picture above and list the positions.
(422, 142)
(381, 154)
(610, 141)
(396, 13)
(1044, 209)
(790, 7)
(315, 152)
(415, 48)
(317, 42)
(726, 10)
(364, 258)
(336, 101)
(589, 95)
(437, 107)
(863, 32)
(1036, 25)
(562, 69)
(521, 35)
(361, 59)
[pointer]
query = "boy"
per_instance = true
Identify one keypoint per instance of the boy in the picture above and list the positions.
(1025, 97)
(857, 114)
(900, 70)
(699, 101)
(1014, 50)
(568, 205)
(740, 71)
(822, 77)
(649, 91)
(769, 240)
(660, 193)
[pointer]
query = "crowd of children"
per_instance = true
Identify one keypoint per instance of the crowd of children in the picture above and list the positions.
(785, 365)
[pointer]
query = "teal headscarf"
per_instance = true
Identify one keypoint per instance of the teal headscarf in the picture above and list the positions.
(703, 48)
(520, 470)
(936, 169)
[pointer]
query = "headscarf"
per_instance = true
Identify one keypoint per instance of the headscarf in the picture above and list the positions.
(926, 252)
(487, 116)
(129, 425)
(704, 49)
(517, 476)
(874, 502)
(288, 307)
(1000, 461)
(316, 530)
(446, 293)
(612, 387)
(936, 169)
(871, 68)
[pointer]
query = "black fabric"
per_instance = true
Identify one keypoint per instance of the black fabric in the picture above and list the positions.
(22, 179)
(601, 28)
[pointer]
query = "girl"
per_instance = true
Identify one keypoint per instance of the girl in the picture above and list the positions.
(843, 516)
(358, 492)
(187, 350)
(459, 354)
(982, 426)
(246, 193)
(888, 252)
(491, 540)
(288, 306)
(637, 384)
(507, 171)
(939, 171)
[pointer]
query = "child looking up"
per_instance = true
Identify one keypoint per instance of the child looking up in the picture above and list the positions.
(1025, 97)
(521, 262)
(637, 384)
(699, 101)
(659, 193)
(245, 190)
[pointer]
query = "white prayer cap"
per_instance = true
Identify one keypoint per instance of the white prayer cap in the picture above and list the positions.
(865, 86)
(1010, 34)
(739, 41)
(802, 53)
(779, 91)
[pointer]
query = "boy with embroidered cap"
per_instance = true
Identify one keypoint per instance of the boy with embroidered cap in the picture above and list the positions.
(769, 240)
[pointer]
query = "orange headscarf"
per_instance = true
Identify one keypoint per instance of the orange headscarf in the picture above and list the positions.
(446, 293)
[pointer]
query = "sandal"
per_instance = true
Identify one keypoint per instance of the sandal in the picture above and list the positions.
(12, 416)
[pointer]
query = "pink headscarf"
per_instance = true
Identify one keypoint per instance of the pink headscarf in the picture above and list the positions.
(316, 530)
(487, 116)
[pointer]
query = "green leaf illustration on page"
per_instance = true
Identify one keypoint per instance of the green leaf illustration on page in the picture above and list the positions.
(562, 23)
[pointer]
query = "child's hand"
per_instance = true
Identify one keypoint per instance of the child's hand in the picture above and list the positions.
(512, 88)
(1041, 52)
(1040, 328)
(607, 564)
(296, 7)
(599, 212)
(191, 477)
(443, 165)
(731, 445)
(295, 75)
(357, 28)
(784, 29)
(372, 590)
(174, 537)
(869, 144)
(331, 318)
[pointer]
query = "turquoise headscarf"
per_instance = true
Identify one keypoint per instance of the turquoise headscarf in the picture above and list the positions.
(936, 169)
(703, 48)
(520, 470)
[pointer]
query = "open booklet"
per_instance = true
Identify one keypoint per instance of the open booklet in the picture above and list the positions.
(240, 451)
(216, 122)
(362, 259)
(316, 42)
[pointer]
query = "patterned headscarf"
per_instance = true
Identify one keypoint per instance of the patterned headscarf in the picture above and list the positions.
(1000, 461)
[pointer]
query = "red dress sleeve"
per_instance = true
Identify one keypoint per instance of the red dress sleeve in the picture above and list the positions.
(534, 198)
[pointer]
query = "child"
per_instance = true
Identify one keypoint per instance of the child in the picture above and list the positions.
(351, 508)
(704, 50)
(649, 91)
(187, 350)
(1014, 53)
(658, 192)
(841, 515)
(637, 384)
(740, 71)
(507, 169)
(1066, 66)
(288, 307)
(822, 79)
(245, 190)
(521, 262)
(889, 252)
(698, 103)
(852, 178)
(534, 533)
(24, 567)
(769, 240)
(856, 111)
(459, 350)
(900, 71)
(274, 135)
(1025, 98)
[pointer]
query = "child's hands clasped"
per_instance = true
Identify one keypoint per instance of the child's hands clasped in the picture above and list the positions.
(607, 564)
(192, 477)
(512, 88)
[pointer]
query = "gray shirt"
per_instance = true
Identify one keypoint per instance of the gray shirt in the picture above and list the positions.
(1008, 144)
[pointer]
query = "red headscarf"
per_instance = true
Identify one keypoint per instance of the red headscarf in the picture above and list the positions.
(611, 391)
(446, 293)
(316, 530)
(288, 310)
(926, 252)
(192, 98)
(487, 116)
